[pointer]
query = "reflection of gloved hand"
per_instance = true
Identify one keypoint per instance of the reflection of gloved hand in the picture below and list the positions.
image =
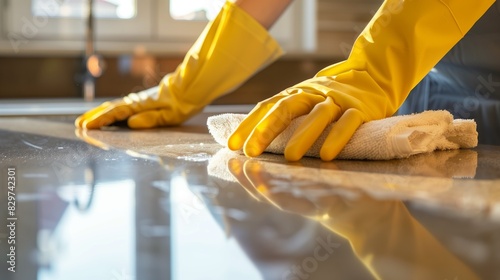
(381, 233)
(400, 45)
(231, 49)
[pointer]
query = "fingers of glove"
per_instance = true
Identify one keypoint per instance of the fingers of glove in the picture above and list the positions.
(107, 116)
(149, 119)
(277, 119)
(341, 133)
(87, 115)
(240, 134)
(311, 128)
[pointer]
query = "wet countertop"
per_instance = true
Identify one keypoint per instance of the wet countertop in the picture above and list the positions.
(170, 203)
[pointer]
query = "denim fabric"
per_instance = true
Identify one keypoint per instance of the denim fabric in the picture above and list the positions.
(479, 101)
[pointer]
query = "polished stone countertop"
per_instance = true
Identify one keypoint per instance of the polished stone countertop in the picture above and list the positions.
(170, 203)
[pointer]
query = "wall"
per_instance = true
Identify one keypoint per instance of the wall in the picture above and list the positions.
(58, 77)
(340, 22)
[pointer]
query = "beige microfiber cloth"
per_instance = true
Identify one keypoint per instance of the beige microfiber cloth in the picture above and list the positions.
(389, 138)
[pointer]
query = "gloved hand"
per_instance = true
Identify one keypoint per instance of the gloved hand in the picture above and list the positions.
(399, 46)
(230, 50)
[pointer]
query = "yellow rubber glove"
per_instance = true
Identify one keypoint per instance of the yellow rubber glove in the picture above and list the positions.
(229, 51)
(399, 46)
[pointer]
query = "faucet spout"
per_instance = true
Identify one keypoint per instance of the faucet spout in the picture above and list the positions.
(93, 62)
(89, 46)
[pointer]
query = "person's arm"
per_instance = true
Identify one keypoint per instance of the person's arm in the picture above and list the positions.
(399, 46)
(266, 12)
(232, 48)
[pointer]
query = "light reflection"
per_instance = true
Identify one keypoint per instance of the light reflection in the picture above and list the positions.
(196, 235)
(431, 174)
(95, 65)
(79, 246)
(380, 232)
(125, 10)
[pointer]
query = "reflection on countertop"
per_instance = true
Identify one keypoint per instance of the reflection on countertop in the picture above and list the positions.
(172, 204)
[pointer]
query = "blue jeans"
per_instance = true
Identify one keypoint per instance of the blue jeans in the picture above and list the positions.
(467, 94)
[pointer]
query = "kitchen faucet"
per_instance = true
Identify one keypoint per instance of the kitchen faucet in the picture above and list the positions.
(93, 62)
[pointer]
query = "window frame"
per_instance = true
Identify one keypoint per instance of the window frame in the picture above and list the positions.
(147, 32)
(19, 19)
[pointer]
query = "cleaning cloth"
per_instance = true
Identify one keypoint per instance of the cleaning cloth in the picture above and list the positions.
(389, 138)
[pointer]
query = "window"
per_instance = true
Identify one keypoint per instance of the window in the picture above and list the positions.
(118, 9)
(194, 9)
(122, 26)
(65, 19)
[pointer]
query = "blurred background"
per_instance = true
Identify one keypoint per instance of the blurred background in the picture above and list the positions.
(50, 50)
